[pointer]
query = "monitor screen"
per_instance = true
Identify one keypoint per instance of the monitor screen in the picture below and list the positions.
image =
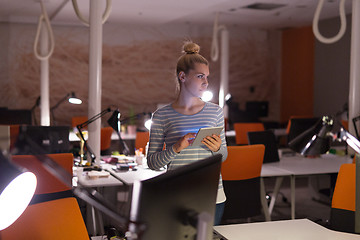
(300, 125)
(269, 140)
(258, 108)
(48, 139)
(163, 204)
(15, 116)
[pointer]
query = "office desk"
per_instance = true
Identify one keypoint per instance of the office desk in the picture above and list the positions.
(114, 136)
(299, 166)
(126, 176)
(277, 132)
(299, 229)
(94, 218)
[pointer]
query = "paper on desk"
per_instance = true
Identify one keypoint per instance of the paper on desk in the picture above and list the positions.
(97, 174)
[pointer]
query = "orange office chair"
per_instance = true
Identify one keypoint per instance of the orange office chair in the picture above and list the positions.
(345, 124)
(241, 130)
(78, 120)
(47, 183)
(106, 133)
(56, 220)
(55, 213)
(14, 133)
(342, 214)
(241, 179)
(142, 138)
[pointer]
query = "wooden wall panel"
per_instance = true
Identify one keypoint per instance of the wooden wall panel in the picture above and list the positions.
(297, 73)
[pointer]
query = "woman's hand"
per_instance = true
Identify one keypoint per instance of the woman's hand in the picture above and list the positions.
(184, 142)
(212, 142)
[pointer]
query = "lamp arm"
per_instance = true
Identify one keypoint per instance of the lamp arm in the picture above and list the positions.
(350, 139)
(59, 102)
(94, 198)
(99, 204)
(37, 103)
(84, 124)
(92, 155)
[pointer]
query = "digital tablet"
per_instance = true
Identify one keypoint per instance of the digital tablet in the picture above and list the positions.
(204, 132)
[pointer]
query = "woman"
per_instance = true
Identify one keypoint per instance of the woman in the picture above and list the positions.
(176, 124)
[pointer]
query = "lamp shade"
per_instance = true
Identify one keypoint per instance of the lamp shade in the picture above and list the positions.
(114, 120)
(16, 191)
(316, 140)
(73, 99)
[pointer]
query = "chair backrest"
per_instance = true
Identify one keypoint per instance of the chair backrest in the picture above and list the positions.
(106, 133)
(241, 130)
(342, 215)
(243, 162)
(269, 140)
(141, 140)
(46, 182)
(14, 133)
(78, 120)
(241, 180)
(56, 220)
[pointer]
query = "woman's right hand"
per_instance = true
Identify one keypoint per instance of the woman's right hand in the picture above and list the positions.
(184, 142)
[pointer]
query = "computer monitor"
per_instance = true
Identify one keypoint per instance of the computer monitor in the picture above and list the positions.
(15, 116)
(355, 120)
(45, 139)
(300, 125)
(269, 140)
(258, 108)
(170, 205)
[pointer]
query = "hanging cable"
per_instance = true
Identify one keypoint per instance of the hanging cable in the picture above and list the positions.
(215, 43)
(342, 20)
(44, 17)
(85, 21)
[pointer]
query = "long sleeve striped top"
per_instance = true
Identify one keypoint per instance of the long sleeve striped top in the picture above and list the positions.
(168, 126)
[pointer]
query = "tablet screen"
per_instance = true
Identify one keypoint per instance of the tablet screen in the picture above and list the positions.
(204, 132)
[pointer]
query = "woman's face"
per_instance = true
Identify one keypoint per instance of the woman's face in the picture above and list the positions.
(196, 81)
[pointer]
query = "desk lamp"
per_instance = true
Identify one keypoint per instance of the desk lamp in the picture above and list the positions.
(316, 140)
(17, 188)
(9, 171)
(71, 97)
(114, 122)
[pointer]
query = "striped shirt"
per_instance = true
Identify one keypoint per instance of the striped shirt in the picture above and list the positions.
(168, 126)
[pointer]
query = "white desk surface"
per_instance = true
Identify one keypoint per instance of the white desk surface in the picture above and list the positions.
(299, 165)
(267, 170)
(127, 176)
(277, 132)
(114, 136)
(299, 229)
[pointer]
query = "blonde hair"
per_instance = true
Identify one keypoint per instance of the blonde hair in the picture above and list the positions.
(187, 61)
(190, 56)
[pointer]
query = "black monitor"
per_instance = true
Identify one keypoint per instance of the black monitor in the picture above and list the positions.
(268, 139)
(170, 205)
(355, 120)
(45, 139)
(15, 116)
(300, 125)
(257, 108)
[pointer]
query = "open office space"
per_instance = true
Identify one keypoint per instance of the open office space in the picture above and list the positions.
(273, 58)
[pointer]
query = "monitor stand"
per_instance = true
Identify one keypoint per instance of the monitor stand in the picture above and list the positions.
(204, 225)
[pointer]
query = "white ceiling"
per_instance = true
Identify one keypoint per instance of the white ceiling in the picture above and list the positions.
(293, 13)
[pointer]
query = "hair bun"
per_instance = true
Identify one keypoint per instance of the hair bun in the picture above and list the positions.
(191, 48)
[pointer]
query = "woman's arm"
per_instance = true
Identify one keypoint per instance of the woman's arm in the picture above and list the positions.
(157, 156)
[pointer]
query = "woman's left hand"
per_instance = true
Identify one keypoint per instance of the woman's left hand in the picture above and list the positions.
(212, 142)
